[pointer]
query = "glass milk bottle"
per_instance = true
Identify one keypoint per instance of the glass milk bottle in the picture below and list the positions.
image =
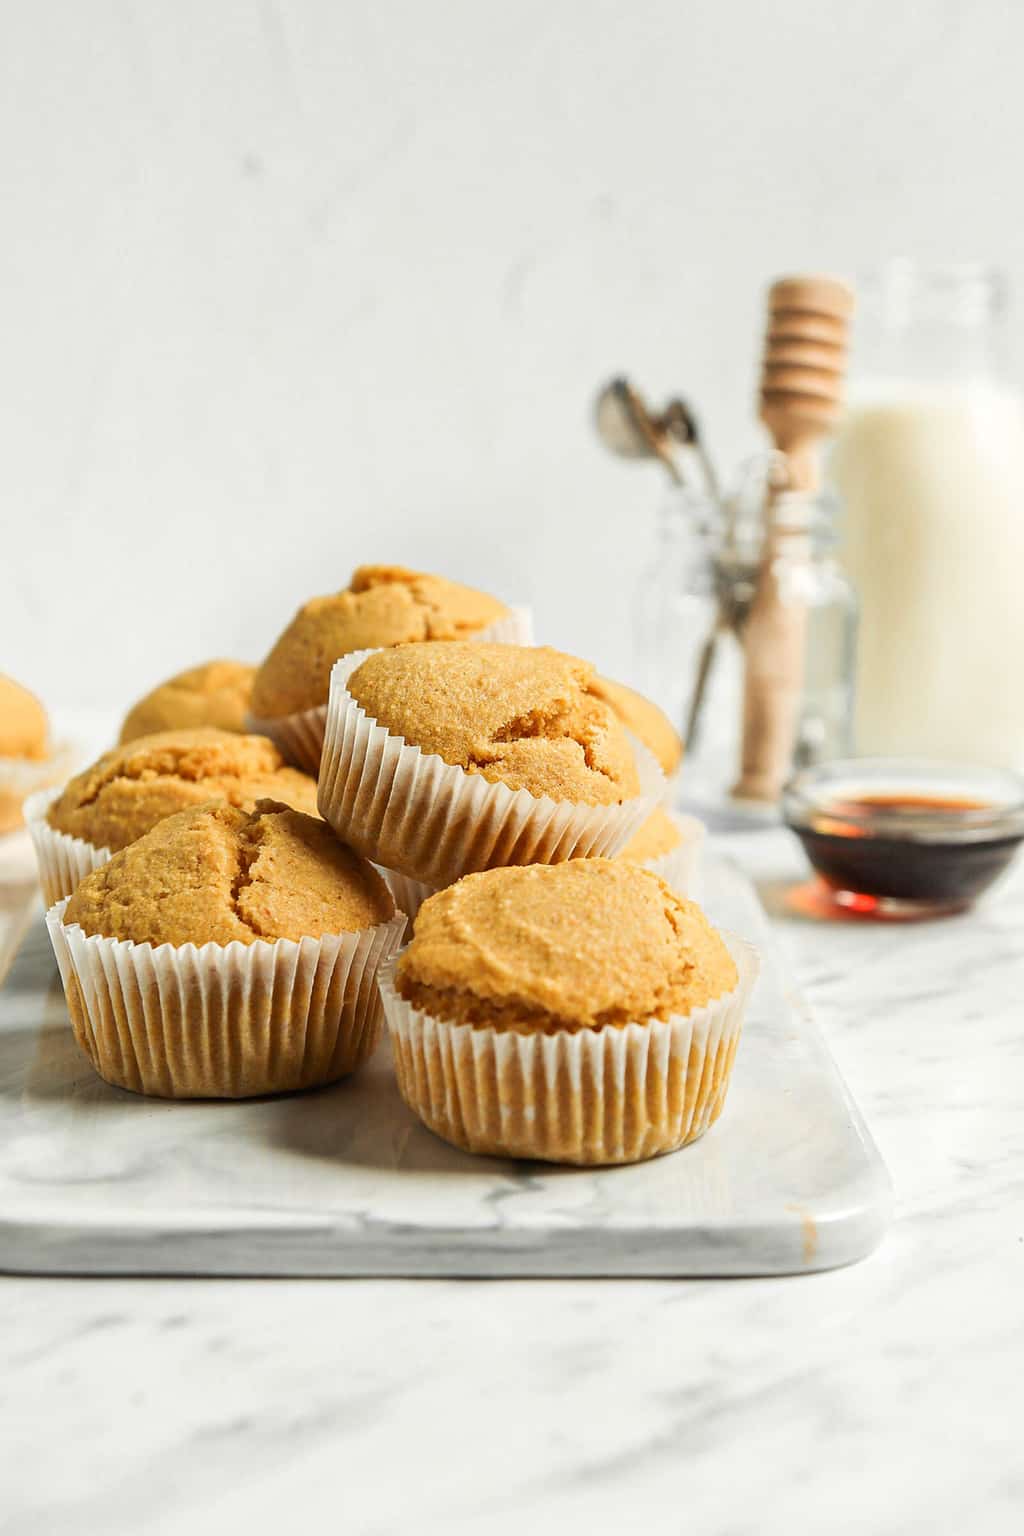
(930, 464)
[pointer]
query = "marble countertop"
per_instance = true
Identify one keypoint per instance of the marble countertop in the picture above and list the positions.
(881, 1398)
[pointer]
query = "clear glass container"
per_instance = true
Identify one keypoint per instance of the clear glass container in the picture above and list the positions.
(930, 465)
(675, 612)
(690, 615)
(806, 530)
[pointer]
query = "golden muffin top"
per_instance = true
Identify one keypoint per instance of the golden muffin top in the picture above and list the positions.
(647, 722)
(216, 873)
(562, 946)
(127, 791)
(525, 716)
(382, 605)
(216, 693)
(656, 836)
(24, 728)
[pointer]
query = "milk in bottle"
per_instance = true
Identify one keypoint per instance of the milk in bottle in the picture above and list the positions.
(930, 464)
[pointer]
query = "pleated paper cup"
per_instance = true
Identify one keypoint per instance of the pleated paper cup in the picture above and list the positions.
(514, 628)
(408, 894)
(63, 861)
(589, 1096)
(300, 737)
(23, 779)
(223, 1021)
(680, 867)
(671, 791)
(413, 812)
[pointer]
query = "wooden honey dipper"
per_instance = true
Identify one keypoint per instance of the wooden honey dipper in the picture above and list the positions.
(801, 399)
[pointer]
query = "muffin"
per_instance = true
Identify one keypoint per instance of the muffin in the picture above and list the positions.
(578, 1012)
(24, 728)
(217, 694)
(444, 758)
(669, 845)
(27, 762)
(382, 605)
(647, 722)
(226, 953)
(127, 791)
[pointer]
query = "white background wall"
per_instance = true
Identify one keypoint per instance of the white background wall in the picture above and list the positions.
(285, 286)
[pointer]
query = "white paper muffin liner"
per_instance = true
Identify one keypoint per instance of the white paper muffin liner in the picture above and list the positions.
(63, 861)
(609, 1095)
(300, 737)
(680, 867)
(409, 894)
(671, 792)
(223, 1021)
(22, 779)
(413, 812)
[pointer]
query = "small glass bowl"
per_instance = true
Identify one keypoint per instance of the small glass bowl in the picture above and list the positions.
(904, 836)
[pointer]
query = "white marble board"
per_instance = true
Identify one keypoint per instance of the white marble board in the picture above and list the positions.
(345, 1181)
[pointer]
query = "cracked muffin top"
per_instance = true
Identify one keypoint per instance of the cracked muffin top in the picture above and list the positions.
(24, 728)
(216, 874)
(216, 693)
(647, 722)
(525, 716)
(382, 605)
(656, 836)
(579, 945)
(127, 791)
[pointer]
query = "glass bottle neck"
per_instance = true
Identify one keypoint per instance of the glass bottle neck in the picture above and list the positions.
(803, 523)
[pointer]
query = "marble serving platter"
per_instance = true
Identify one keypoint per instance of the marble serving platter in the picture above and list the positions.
(345, 1181)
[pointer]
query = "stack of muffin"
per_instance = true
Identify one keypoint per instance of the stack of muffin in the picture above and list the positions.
(559, 998)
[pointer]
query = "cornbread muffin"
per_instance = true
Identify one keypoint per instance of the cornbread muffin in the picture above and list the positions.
(24, 728)
(562, 946)
(442, 759)
(217, 875)
(12, 798)
(127, 791)
(658, 835)
(27, 762)
(216, 694)
(647, 722)
(382, 605)
(525, 716)
(226, 953)
(578, 1012)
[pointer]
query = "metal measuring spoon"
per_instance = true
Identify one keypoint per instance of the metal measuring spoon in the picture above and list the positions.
(627, 425)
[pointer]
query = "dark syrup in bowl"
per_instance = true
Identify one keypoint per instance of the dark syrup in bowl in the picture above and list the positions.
(905, 838)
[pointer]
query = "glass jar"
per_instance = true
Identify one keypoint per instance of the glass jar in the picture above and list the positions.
(930, 465)
(691, 613)
(805, 529)
(675, 599)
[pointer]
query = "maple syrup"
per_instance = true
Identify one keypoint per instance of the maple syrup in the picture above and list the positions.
(906, 838)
